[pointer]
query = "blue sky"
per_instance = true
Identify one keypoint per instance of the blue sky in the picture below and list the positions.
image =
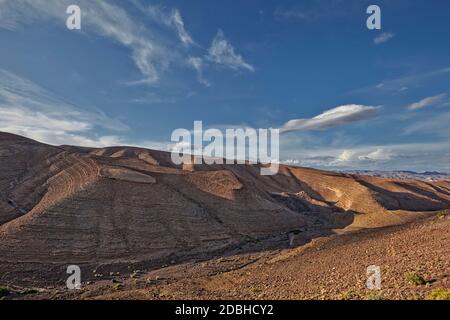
(137, 70)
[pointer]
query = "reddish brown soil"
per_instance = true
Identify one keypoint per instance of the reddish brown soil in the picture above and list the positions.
(121, 209)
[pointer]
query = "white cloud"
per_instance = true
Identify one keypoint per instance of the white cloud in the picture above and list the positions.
(222, 52)
(156, 42)
(426, 102)
(383, 37)
(170, 19)
(361, 156)
(437, 125)
(198, 65)
(291, 162)
(53, 129)
(343, 158)
(379, 154)
(332, 118)
(290, 14)
(408, 156)
(312, 10)
(27, 109)
(409, 81)
(179, 25)
(152, 53)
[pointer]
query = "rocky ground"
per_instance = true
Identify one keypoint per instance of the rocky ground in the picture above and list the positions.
(330, 267)
(141, 227)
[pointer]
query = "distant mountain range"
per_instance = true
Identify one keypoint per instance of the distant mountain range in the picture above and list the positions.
(404, 175)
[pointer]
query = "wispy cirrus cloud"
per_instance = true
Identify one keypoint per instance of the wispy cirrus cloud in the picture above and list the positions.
(291, 14)
(383, 37)
(149, 53)
(404, 83)
(198, 64)
(331, 118)
(223, 53)
(157, 39)
(177, 21)
(29, 110)
(170, 18)
(315, 9)
(436, 125)
(426, 102)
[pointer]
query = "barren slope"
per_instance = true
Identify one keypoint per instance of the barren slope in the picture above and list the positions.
(327, 268)
(112, 207)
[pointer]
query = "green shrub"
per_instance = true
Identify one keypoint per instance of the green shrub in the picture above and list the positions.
(117, 286)
(374, 296)
(349, 295)
(415, 278)
(441, 214)
(4, 292)
(255, 290)
(439, 294)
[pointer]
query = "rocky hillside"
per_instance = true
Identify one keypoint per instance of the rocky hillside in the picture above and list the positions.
(112, 207)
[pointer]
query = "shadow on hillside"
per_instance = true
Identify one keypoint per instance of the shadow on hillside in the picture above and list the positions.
(439, 189)
(422, 192)
(406, 201)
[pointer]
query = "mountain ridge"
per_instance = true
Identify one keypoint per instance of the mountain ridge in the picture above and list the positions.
(118, 206)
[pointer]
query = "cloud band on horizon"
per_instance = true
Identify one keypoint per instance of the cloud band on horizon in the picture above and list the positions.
(331, 118)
